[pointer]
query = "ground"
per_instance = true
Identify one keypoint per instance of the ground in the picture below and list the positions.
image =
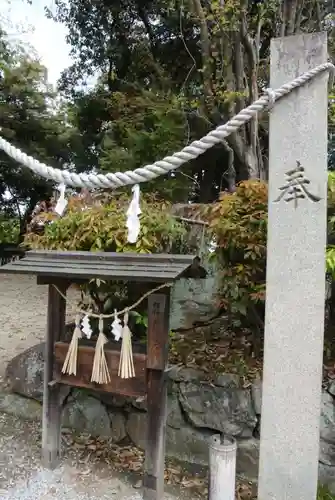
(90, 469)
(23, 478)
(23, 308)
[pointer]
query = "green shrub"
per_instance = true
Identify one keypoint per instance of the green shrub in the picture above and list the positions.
(101, 226)
(239, 224)
(324, 494)
(9, 230)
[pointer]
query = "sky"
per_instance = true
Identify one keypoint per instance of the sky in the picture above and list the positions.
(29, 24)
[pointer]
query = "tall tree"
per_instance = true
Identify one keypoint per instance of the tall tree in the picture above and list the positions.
(211, 55)
(30, 120)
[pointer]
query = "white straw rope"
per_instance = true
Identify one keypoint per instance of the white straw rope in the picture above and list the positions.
(169, 163)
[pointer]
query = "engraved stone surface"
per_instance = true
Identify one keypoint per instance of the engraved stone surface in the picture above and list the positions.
(295, 290)
(295, 187)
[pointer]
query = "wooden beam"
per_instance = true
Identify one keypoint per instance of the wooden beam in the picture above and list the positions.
(158, 337)
(51, 422)
(136, 386)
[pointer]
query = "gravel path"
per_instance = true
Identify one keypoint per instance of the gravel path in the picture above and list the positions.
(23, 317)
(23, 310)
(22, 478)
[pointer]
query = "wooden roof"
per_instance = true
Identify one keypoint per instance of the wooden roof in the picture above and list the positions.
(156, 268)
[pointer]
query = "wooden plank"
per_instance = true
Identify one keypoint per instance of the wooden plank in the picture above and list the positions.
(112, 256)
(158, 333)
(128, 387)
(89, 266)
(156, 268)
(51, 420)
(47, 280)
(56, 273)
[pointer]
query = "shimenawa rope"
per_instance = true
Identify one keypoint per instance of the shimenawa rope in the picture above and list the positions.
(169, 163)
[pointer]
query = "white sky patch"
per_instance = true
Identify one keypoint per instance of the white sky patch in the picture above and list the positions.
(29, 24)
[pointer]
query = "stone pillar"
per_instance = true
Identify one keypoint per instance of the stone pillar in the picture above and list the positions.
(295, 290)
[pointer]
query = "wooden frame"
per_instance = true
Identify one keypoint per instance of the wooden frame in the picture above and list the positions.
(51, 422)
(60, 269)
(127, 387)
(150, 381)
(158, 337)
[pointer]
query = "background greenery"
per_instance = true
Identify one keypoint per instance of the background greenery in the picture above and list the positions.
(168, 71)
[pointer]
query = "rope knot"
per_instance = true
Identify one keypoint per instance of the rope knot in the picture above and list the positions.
(271, 94)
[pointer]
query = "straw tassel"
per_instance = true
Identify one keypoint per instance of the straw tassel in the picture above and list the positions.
(100, 372)
(70, 363)
(126, 366)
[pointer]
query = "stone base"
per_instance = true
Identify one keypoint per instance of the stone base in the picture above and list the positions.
(196, 411)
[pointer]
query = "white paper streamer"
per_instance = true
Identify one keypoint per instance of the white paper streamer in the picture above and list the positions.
(133, 212)
(86, 327)
(116, 327)
(62, 201)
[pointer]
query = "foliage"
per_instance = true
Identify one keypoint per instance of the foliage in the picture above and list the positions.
(9, 230)
(324, 493)
(99, 224)
(331, 131)
(29, 119)
(200, 61)
(330, 251)
(139, 127)
(169, 71)
(239, 223)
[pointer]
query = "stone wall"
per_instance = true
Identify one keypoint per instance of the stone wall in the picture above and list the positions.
(193, 301)
(196, 410)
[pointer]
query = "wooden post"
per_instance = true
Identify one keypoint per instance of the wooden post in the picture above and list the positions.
(51, 423)
(295, 280)
(158, 338)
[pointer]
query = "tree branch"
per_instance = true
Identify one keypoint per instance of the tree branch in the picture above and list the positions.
(205, 48)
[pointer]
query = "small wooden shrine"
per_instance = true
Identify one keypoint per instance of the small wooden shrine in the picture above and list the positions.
(59, 270)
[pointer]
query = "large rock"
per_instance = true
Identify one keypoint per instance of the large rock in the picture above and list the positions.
(327, 476)
(183, 374)
(327, 430)
(137, 428)
(21, 407)
(118, 426)
(224, 409)
(256, 393)
(24, 373)
(331, 388)
(86, 414)
(174, 416)
(193, 301)
(188, 444)
(247, 458)
(182, 440)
